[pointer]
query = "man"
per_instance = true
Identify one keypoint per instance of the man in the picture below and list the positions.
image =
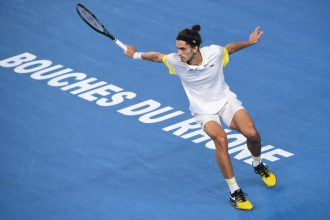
(201, 74)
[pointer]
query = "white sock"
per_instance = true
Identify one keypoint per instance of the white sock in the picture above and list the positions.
(256, 161)
(232, 184)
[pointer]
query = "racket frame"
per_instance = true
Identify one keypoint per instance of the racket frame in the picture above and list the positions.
(105, 32)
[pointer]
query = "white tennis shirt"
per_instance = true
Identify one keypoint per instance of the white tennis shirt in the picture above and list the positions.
(204, 85)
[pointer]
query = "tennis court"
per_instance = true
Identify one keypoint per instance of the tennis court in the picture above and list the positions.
(64, 154)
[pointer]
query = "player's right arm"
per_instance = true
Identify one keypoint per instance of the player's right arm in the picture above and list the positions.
(151, 56)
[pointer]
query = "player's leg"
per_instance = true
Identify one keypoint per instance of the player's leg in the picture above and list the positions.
(219, 137)
(211, 126)
(243, 122)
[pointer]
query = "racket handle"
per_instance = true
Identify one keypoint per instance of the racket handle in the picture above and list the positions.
(120, 44)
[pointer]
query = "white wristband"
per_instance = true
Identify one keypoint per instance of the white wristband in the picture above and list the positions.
(137, 55)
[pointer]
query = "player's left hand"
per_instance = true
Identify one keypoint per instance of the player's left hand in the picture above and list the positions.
(255, 35)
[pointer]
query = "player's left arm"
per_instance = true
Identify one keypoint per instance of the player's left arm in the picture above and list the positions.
(254, 38)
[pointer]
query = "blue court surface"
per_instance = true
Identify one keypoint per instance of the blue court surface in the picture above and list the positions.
(68, 152)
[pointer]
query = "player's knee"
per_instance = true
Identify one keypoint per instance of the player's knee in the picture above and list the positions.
(252, 135)
(221, 142)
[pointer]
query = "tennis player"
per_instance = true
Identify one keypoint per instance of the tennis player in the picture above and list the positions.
(201, 72)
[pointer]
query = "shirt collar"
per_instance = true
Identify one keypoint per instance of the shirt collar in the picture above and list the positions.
(205, 58)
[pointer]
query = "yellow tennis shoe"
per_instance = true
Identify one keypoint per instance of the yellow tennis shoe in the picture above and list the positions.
(266, 175)
(239, 200)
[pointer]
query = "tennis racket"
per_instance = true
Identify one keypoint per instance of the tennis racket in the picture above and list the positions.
(90, 19)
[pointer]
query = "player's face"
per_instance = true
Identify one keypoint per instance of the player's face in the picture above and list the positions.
(185, 51)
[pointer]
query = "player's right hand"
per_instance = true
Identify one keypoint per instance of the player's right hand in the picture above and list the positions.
(130, 51)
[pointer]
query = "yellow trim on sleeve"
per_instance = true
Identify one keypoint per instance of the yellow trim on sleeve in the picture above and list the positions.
(169, 66)
(225, 57)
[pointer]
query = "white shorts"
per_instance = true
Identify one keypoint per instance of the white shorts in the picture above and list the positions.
(226, 114)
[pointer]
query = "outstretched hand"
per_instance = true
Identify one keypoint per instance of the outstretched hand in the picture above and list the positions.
(130, 51)
(255, 35)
